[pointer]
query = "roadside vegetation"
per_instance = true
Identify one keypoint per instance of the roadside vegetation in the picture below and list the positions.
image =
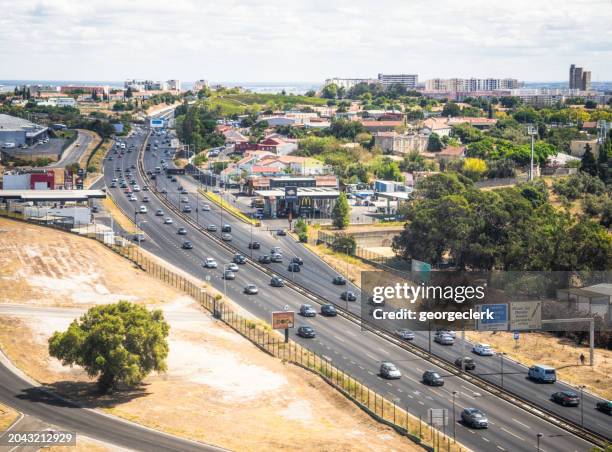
(7, 417)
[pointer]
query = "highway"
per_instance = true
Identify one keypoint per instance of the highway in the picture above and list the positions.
(74, 152)
(317, 276)
(35, 401)
(357, 352)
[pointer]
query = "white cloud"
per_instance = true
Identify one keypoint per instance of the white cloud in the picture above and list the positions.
(266, 40)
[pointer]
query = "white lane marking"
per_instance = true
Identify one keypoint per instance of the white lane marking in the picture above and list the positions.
(485, 439)
(371, 357)
(513, 434)
(339, 338)
(520, 423)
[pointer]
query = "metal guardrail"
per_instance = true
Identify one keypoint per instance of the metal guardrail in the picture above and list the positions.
(583, 432)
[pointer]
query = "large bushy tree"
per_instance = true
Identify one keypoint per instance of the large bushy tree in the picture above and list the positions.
(117, 343)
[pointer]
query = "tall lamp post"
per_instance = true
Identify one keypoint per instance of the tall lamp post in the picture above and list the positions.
(581, 405)
(501, 355)
(454, 418)
(538, 436)
(531, 131)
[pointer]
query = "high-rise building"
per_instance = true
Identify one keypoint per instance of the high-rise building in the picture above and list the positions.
(410, 81)
(200, 84)
(174, 85)
(579, 78)
(471, 84)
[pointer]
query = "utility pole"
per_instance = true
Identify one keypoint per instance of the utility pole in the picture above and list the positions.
(454, 418)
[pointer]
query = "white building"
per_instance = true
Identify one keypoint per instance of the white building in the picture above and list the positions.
(174, 85)
(410, 81)
(471, 84)
(348, 83)
(397, 143)
(200, 84)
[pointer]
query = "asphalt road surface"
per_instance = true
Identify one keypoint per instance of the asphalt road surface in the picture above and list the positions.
(357, 352)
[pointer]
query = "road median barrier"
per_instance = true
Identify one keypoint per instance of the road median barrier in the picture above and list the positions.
(228, 207)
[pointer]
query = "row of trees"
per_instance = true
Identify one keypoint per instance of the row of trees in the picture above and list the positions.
(509, 229)
(197, 125)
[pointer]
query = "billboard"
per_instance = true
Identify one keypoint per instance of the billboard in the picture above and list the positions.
(499, 322)
(525, 315)
(156, 122)
(291, 194)
(283, 319)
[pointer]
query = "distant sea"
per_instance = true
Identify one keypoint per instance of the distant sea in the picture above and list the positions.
(256, 87)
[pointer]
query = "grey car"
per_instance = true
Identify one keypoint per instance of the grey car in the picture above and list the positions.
(307, 311)
(475, 418)
(389, 371)
(251, 289)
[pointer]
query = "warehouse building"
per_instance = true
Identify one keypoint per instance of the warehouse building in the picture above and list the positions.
(15, 132)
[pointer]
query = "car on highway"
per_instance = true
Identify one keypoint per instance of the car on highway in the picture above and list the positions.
(211, 228)
(254, 245)
(142, 209)
(307, 310)
(159, 213)
(297, 260)
(251, 289)
(145, 188)
(187, 209)
(187, 245)
(173, 179)
(181, 231)
(328, 310)
(473, 417)
(483, 349)
(228, 274)
(405, 334)
(226, 237)
(95, 209)
(209, 262)
(205, 208)
(139, 238)
(133, 198)
(136, 188)
(233, 267)
(164, 191)
(184, 199)
(468, 363)
(307, 332)
(347, 295)
(432, 378)
(226, 228)
(605, 406)
(167, 220)
(110, 158)
(275, 249)
(264, 259)
(565, 398)
(294, 268)
(145, 199)
(389, 371)
(443, 338)
(183, 191)
(281, 232)
(277, 282)
(542, 373)
(451, 333)
(239, 259)
(277, 258)
(339, 280)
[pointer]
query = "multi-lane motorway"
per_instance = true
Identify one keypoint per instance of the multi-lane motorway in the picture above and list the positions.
(355, 351)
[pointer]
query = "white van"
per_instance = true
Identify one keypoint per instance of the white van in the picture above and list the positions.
(542, 373)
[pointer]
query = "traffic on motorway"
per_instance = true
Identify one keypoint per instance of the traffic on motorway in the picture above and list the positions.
(159, 205)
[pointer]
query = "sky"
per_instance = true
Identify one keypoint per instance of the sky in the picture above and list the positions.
(273, 40)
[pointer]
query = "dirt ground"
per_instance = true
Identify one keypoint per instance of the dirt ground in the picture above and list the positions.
(219, 388)
(46, 267)
(542, 348)
(7, 417)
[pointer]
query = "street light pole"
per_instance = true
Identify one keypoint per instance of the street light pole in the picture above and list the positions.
(454, 419)
(581, 405)
(538, 436)
(531, 130)
(501, 355)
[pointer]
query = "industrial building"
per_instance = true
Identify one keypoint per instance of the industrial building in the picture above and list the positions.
(16, 132)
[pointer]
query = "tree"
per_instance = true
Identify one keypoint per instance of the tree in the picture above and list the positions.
(434, 143)
(310, 93)
(588, 163)
(451, 109)
(118, 343)
(474, 168)
(128, 93)
(329, 91)
(341, 212)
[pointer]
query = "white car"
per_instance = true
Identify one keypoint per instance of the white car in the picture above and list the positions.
(168, 220)
(133, 198)
(143, 209)
(483, 350)
(209, 262)
(206, 208)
